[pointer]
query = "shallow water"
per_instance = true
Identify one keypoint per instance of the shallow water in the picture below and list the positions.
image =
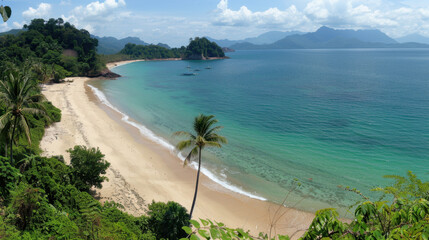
(325, 117)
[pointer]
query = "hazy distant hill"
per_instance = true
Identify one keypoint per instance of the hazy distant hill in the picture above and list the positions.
(271, 37)
(265, 38)
(163, 45)
(417, 38)
(326, 37)
(12, 31)
(111, 45)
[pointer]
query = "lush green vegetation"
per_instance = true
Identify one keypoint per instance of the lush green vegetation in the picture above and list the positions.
(151, 51)
(200, 48)
(132, 51)
(59, 49)
(404, 217)
(205, 134)
(44, 198)
(41, 200)
(5, 12)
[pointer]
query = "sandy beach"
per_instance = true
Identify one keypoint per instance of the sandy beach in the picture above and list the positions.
(142, 171)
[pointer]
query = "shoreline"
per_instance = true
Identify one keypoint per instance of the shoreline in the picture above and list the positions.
(112, 65)
(142, 170)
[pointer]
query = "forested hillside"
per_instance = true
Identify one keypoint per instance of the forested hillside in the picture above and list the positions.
(201, 48)
(60, 48)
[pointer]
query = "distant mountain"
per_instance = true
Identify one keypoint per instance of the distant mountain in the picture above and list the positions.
(326, 37)
(271, 37)
(12, 32)
(325, 34)
(265, 38)
(417, 38)
(224, 42)
(163, 45)
(111, 45)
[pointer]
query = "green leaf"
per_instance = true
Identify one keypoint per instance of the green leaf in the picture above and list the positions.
(204, 233)
(195, 223)
(194, 237)
(241, 232)
(184, 239)
(188, 230)
(5, 12)
(204, 222)
(215, 233)
(282, 237)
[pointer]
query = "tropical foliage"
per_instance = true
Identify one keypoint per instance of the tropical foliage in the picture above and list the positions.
(19, 95)
(202, 47)
(151, 51)
(406, 217)
(205, 134)
(43, 202)
(198, 48)
(5, 12)
(57, 46)
(88, 167)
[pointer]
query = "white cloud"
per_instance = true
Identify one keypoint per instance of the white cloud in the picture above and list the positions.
(97, 15)
(395, 19)
(346, 13)
(98, 9)
(18, 25)
(65, 2)
(4, 27)
(41, 11)
(272, 17)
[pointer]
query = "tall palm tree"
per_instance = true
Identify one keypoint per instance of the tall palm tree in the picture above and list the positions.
(20, 96)
(205, 135)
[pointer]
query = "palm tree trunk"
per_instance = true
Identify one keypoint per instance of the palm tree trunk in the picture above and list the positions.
(196, 185)
(11, 141)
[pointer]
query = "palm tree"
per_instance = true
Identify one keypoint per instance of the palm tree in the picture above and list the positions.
(20, 96)
(205, 135)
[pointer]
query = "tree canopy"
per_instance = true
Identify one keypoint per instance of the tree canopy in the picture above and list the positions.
(54, 43)
(202, 48)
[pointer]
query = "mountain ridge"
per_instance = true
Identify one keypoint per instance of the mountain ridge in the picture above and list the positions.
(326, 37)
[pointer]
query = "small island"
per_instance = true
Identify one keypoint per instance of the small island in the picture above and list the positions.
(198, 49)
(203, 49)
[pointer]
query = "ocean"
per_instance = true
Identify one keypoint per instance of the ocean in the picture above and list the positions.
(324, 118)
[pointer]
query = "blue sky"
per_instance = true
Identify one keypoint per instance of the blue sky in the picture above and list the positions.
(175, 21)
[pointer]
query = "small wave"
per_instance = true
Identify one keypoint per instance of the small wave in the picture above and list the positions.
(159, 140)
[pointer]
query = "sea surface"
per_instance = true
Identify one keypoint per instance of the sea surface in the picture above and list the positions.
(325, 118)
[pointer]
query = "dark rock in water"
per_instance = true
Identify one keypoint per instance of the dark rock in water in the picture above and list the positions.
(195, 57)
(110, 74)
(106, 73)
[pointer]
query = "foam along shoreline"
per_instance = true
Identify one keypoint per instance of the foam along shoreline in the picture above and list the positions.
(142, 170)
(159, 140)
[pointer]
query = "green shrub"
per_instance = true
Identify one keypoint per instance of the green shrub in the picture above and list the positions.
(166, 220)
(87, 167)
(8, 178)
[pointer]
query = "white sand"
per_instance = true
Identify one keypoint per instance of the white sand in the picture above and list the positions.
(142, 171)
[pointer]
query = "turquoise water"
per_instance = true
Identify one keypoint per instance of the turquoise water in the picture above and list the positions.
(325, 117)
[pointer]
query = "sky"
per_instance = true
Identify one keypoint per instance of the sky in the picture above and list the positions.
(175, 21)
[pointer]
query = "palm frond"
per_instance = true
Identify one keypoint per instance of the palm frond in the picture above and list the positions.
(33, 111)
(183, 133)
(6, 117)
(184, 144)
(193, 152)
(24, 127)
(215, 129)
(213, 144)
